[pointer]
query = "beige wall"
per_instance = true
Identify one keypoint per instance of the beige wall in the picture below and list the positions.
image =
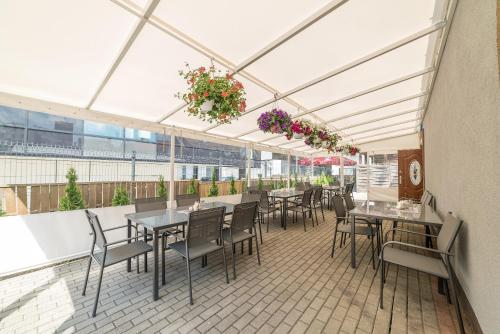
(462, 153)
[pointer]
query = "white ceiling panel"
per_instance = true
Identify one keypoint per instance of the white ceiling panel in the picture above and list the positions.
(255, 94)
(257, 136)
(382, 123)
(387, 135)
(349, 33)
(235, 29)
(392, 93)
(389, 129)
(59, 50)
(184, 120)
(293, 144)
(279, 141)
(401, 62)
(147, 79)
(378, 113)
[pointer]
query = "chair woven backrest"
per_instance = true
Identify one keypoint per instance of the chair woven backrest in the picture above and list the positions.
(186, 200)
(349, 187)
(318, 194)
(300, 186)
(307, 185)
(247, 198)
(338, 205)
(244, 216)
(204, 226)
(96, 228)
(448, 233)
(335, 183)
(150, 204)
(253, 188)
(306, 197)
(264, 199)
(349, 203)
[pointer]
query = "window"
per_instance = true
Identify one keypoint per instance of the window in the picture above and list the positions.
(140, 135)
(103, 147)
(43, 121)
(41, 137)
(13, 117)
(142, 150)
(101, 129)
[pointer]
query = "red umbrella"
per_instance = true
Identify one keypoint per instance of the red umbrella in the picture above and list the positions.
(326, 161)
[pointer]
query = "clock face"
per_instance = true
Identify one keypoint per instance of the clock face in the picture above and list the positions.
(415, 172)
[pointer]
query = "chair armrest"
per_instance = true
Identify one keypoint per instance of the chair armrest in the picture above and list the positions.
(119, 241)
(117, 227)
(408, 231)
(413, 246)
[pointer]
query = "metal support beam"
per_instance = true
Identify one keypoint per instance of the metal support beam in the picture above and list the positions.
(355, 63)
(131, 39)
(249, 164)
(171, 192)
(288, 168)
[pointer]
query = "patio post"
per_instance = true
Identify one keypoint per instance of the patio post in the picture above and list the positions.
(288, 170)
(249, 166)
(171, 183)
(341, 170)
(297, 165)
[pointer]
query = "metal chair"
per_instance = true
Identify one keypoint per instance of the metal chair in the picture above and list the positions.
(107, 256)
(343, 225)
(304, 207)
(266, 207)
(317, 201)
(186, 200)
(204, 230)
(242, 228)
(300, 186)
(248, 198)
(440, 266)
(307, 185)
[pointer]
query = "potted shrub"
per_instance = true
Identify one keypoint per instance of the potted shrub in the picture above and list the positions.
(260, 183)
(73, 199)
(162, 190)
(120, 197)
(191, 189)
(214, 189)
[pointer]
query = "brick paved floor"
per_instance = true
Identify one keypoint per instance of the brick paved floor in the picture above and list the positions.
(298, 288)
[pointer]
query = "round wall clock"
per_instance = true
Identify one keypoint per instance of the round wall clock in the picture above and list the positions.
(415, 172)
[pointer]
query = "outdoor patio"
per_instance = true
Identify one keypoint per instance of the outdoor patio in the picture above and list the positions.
(298, 288)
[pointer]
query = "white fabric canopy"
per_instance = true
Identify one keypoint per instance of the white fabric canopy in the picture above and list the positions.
(362, 68)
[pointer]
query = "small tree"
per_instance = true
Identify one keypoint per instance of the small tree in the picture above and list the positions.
(73, 199)
(120, 197)
(260, 183)
(244, 185)
(192, 187)
(272, 186)
(295, 181)
(162, 190)
(232, 188)
(214, 189)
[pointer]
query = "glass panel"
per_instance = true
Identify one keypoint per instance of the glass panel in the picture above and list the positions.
(41, 137)
(141, 135)
(102, 129)
(45, 121)
(103, 147)
(10, 134)
(142, 150)
(12, 116)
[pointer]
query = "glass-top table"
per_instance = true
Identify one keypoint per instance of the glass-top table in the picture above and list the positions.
(159, 220)
(383, 210)
(284, 195)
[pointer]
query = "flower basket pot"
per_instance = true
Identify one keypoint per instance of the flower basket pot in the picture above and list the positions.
(325, 144)
(317, 141)
(298, 135)
(207, 106)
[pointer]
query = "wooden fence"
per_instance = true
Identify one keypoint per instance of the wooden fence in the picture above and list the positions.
(37, 198)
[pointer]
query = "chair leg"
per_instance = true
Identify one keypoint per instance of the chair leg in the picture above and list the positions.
(382, 280)
(334, 239)
(322, 212)
(373, 253)
(233, 258)
(257, 247)
(225, 262)
(304, 220)
(163, 244)
(394, 225)
(87, 276)
(267, 222)
(457, 306)
(315, 214)
(98, 290)
(146, 254)
(188, 264)
(260, 233)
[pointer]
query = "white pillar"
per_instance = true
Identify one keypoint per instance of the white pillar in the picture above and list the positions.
(288, 170)
(341, 170)
(297, 165)
(249, 164)
(172, 169)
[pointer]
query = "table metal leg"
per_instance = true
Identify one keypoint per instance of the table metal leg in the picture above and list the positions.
(353, 242)
(285, 213)
(155, 265)
(129, 235)
(250, 243)
(146, 255)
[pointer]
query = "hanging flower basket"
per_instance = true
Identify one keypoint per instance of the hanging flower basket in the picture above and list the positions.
(275, 121)
(212, 96)
(347, 149)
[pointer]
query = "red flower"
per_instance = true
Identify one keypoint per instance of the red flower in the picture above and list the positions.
(211, 81)
(202, 69)
(229, 76)
(205, 94)
(224, 94)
